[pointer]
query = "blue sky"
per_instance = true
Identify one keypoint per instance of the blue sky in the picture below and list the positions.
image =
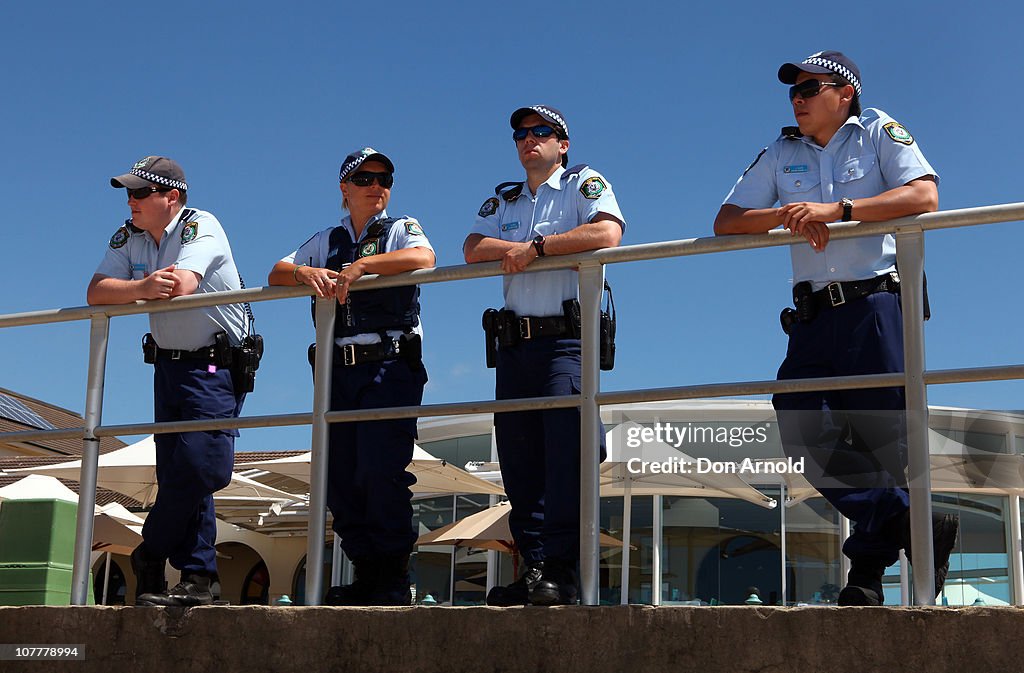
(260, 101)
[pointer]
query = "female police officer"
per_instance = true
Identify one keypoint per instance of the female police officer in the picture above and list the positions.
(376, 364)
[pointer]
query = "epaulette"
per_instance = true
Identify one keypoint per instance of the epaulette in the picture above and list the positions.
(509, 190)
(792, 132)
(188, 214)
(575, 170)
(132, 229)
(380, 227)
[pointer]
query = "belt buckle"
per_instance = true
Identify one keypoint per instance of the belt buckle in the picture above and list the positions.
(348, 354)
(526, 333)
(835, 294)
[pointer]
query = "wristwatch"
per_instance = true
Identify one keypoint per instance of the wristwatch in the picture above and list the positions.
(847, 205)
(538, 244)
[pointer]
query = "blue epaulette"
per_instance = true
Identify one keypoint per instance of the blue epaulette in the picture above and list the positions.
(575, 170)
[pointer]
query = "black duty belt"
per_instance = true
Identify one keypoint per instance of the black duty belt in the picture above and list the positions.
(836, 294)
(531, 327)
(207, 354)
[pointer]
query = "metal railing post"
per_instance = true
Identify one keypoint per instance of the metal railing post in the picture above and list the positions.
(910, 260)
(1013, 551)
(325, 314)
(99, 331)
(591, 280)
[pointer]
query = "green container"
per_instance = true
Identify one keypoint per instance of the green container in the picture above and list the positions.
(37, 531)
(36, 584)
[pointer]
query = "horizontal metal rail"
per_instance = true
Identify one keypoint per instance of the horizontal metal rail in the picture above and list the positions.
(908, 232)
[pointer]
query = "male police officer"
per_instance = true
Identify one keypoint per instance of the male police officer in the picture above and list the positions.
(841, 164)
(554, 212)
(167, 250)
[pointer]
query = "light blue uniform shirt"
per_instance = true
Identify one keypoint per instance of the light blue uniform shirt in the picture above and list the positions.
(565, 201)
(406, 232)
(862, 159)
(193, 241)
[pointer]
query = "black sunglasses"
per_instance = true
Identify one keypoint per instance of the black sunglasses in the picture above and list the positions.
(144, 192)
(542, 131)
(366, 178)
(808, 88)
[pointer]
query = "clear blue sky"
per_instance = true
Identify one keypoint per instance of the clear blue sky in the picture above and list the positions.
(260, 101)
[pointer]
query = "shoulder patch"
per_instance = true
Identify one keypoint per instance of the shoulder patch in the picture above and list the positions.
(189, 232)
(899, 133)
(592, 187)
(413, 227)
(119, 238)
(489, 207)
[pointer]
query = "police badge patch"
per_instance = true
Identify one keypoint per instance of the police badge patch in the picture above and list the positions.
(190, 232)
(413, 227)
(489, 208)
(899, 133)
(592, 187)
(119, 238)
(368, 249)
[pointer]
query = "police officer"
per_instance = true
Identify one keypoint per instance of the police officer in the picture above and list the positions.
(840, 163)
(555, 211)
(168, 250)
(377, 363)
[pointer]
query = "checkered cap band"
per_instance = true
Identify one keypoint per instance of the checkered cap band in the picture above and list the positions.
(837, 68)
(356, 159)
(551, 114)
(159, 179)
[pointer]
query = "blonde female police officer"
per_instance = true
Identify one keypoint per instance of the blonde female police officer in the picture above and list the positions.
(376, 363)
(839, 164)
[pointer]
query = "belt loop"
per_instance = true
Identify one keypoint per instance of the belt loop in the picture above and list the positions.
(175, 354)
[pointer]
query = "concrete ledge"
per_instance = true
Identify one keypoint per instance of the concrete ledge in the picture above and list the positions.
(480, 640)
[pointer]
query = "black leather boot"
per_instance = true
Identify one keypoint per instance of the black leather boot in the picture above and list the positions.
(517, 593)
(557, 585)
(945, 528)
(149, 573)
(864, 583)
(357, 593)
(392, 585)
(192, 590)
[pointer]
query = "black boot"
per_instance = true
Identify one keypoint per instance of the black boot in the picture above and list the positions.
(149, 573)
(944, 532)
(192, 590)
(864, 583)
(357, 593)
(557, 585)
(517, 593)
(392, 586)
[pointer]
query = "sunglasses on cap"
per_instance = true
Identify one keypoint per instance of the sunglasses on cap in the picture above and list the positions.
(541, 131)
(366, 178)
(808, 88)
(144, 192)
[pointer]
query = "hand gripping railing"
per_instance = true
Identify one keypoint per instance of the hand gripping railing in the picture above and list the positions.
(910, 252)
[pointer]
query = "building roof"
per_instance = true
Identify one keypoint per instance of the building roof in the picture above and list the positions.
(20, 413)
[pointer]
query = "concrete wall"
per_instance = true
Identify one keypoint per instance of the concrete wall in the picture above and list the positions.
(535, 640)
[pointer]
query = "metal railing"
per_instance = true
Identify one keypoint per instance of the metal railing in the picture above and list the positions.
(909, 233)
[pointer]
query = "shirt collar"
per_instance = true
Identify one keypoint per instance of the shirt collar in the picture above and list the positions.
(347, 223)
(554, 181)
(841, 133)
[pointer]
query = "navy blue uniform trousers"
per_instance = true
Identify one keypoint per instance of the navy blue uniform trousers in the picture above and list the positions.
(190, 466)
(539, 451)
(367, 482)
(854, 441)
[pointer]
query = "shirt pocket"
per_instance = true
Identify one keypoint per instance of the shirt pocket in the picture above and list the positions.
(856, 169)
(797, 185)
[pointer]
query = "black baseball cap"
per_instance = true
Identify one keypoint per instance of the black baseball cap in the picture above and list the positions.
(152, 171)
(821, 63)
(356, 159)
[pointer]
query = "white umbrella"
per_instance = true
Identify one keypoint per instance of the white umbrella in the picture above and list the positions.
(132, 471)
(433, 475)
(38, 487)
